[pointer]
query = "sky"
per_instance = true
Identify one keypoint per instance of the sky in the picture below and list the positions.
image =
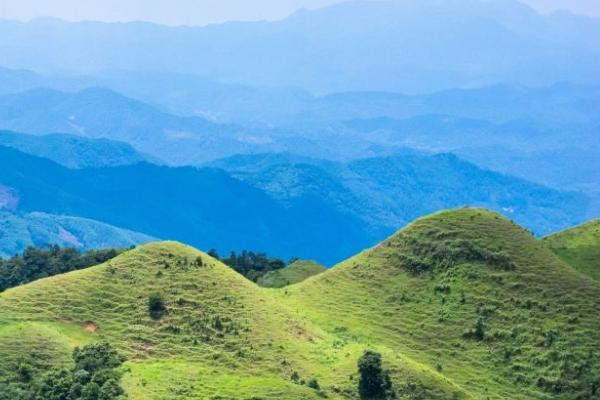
(202, 12)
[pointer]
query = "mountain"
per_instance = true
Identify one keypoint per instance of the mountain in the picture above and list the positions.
(203, 206)
(98, 113)
(19, 231)
(414, 299)
(273, 194)
(472, 296)
(296, 272)
(101, 113)
(579, 247)
(387, 192)
(73, 151)
(509, 129)
(356, 45)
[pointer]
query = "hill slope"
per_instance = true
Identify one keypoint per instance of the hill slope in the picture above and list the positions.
(18, 231)
(579, 247)
(296, 272)
(221, 336)
(421, 293)
(414, 298)
(73, 151)
(202, 206)
(387, 192)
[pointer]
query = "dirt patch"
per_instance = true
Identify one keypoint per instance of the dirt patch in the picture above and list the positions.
(90, 326)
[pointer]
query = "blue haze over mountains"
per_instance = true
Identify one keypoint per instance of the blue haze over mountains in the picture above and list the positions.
(367, 114)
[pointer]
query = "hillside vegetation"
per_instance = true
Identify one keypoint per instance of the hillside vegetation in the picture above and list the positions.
(461, 305)
(579, 247)
(296, 272)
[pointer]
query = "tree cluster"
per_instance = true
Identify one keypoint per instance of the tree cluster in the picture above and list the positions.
(36, 263)
(94, 376)
(250, 264)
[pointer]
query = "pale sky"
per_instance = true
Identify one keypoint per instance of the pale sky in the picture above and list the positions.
(202, 12)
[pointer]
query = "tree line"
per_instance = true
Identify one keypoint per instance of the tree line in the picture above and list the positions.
(38, 263)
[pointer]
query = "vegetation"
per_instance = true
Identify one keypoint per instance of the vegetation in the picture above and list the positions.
(94, 376)
(375, 382)
(534, 322)
(579, 247)
(250, 264)
(36, 263)
(296, 272)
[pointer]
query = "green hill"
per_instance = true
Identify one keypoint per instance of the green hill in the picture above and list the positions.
(296, 272)
(462, 305)
(578, 247)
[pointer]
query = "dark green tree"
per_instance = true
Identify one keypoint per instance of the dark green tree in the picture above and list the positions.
(156, 305)
(374, 381)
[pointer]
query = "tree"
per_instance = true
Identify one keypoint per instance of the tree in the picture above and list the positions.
(96, 357)
(374, 381)
(156, 305)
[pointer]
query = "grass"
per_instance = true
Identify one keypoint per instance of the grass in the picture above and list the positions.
(224, 337)
(578, 247)
(296, 272)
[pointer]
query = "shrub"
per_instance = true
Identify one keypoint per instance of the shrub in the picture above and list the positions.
(374, 381)
(156, 305)
(313, 384)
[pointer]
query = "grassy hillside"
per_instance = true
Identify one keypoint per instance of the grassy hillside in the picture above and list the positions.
(419, 297)
(296, 272)
(578, 247)
(416, 299)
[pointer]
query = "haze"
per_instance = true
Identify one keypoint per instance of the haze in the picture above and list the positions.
(202, 12)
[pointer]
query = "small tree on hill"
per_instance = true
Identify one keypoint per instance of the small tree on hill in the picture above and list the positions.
(156, 305)
(374, 381)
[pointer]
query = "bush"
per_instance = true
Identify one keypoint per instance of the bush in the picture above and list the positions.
(156, 305)
(375, 382)
(313, 384)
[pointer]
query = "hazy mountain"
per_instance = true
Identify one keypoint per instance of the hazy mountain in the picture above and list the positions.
(20, 230)
(359, 45)
(388, 192)
(205, 206)
(101, 113)
(73, 151)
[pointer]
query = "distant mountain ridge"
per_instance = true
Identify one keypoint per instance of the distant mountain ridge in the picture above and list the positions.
(358, 45)
(74, 151)
(205, 206)
(361, 201)
(20, 230)
(391, 191)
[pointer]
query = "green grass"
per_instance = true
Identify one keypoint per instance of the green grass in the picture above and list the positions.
(540, 317)
(296, 272)
(579, 247)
